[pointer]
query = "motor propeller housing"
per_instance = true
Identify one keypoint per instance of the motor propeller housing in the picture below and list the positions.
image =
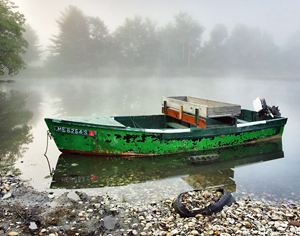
(263, 110)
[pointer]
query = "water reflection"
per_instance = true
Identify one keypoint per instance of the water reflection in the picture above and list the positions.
(75, 97)
(77, 171)
(14, 128)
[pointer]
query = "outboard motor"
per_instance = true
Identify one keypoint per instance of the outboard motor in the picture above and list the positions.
(263, 110)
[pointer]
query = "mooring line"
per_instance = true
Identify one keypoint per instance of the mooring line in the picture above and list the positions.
(48, 136)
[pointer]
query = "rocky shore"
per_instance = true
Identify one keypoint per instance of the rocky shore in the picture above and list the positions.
(25, 211)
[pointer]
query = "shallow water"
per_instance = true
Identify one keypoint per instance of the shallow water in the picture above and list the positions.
(272, 180)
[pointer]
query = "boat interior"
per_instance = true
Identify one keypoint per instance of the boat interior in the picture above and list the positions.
(164, 121)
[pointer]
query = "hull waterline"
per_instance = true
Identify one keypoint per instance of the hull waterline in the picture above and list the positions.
(125, 139)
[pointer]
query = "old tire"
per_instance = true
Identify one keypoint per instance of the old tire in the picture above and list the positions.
(226, 199)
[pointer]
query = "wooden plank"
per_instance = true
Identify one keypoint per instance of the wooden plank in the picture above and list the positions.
(207, 108)
(180, 112)
(185, 117)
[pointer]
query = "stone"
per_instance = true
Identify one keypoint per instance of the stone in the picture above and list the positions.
(191, 224)
(289, 214)
(275, 217)
(148, 225)
(8, 195)
(135, 225)
(277, 224)
(247, 224)
(207, 195)
(6, 187)
(113, 210)
(195, 232)
(263, 222)
(33, 226)
(224, 234)
(13, 233)
(275, 234)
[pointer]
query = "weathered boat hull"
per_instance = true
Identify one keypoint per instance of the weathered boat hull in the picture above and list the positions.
(158, 139)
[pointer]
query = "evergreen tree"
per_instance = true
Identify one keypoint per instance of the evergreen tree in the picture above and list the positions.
(99, 48)
(136, 42)
(33, 53)
(69, 52)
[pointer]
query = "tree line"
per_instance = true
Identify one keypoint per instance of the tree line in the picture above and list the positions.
(85, 47)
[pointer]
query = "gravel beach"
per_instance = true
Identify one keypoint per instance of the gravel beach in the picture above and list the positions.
(25, 211)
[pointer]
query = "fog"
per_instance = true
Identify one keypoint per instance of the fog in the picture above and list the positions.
(280, 18)
(278, 178)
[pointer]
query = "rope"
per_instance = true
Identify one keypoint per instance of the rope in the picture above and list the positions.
(135, 124)
(48, 136)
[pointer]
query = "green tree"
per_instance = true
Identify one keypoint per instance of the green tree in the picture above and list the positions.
(167, 40)
(218, 35)
(187, 36)
(269, 59)
(214, 54)
(290, 56)
(136, 42)
(100, 43)
(251, 49)
(33, 53)
(69, 51)
(151, 47)
(243, 46)
(12, 42)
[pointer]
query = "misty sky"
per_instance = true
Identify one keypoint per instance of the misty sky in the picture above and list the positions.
(280, 18)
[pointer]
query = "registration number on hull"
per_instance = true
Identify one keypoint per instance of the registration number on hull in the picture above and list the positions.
(75, 131)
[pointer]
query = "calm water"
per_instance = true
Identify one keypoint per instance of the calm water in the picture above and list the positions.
(273, 174)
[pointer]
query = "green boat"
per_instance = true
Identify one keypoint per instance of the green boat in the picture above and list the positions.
(187, 124)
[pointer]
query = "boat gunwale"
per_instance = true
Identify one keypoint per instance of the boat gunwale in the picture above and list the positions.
(254, 125)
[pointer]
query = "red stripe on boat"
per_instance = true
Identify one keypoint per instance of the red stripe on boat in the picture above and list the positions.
(102, 154)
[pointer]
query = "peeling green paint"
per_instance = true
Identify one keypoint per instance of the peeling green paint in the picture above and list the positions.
(127, 141)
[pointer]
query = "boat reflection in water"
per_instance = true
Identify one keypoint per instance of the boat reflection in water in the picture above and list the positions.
(200, 170)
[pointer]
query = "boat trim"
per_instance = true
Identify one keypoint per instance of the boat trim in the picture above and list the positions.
(252, 123)
(167, 131)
